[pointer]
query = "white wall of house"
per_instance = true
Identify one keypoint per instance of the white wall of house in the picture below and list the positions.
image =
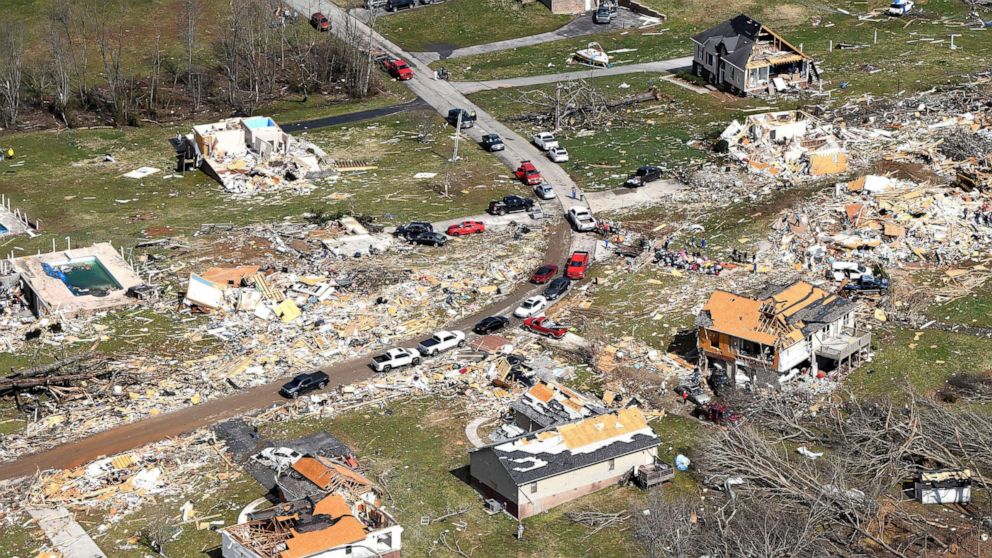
(377, 543)
(788, 358)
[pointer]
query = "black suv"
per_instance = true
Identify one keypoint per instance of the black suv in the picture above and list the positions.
(413, 228)
(490, 324)
(304, 383)
(428, 238)
(468, 117)
(492, 142)
(643, 176)
(556, 288)
(393, 5)
(510, 204)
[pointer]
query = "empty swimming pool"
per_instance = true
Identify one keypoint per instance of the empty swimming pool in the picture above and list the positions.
(84, 276)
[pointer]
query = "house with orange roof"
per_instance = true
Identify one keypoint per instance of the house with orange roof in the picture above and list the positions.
(781, 329)
(535, 472)
(547, 403)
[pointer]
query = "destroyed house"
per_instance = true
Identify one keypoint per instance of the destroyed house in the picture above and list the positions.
(549, 403)
(342, 520)
(783, 328)
(540, 470)
(745, 57)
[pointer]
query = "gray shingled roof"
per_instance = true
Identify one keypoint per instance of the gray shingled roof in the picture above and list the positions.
(737, 35)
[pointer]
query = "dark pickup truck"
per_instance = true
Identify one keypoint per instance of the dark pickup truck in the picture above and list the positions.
(492, 142)
(510, 204)
(468, 117)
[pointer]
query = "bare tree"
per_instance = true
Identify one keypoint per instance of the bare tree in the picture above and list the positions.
(190, 14)
(11, 66)
(110, 41)
(60, 69)
(156, 67)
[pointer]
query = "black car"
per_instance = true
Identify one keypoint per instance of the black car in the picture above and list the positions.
(602, 15)
(492, 142)
(643, 176)
(510, 204)
(468, 117)
(556, 288)
(490, 325)
(304, 383)
(428, 239)
(393, 5)
(413, 228)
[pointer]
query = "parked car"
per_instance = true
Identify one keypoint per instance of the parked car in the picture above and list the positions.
(468, 117)
(717, 413)
(429, 239)
(370, 4)
(397, 68)
(466, 227)
(304, 383)
(692, 393)
(867, 284)
(440, 342)
(490, 325)
(395, 358)
(319, 22)
(531, 307)
(545, 140)
(643, 175)
(412, 229)
(510, 204)
(581, 219)
(577, 265)
(556, 288)
(542, 325)
(277, 457)
(543, 274)
(558, 154)
(602, 14)
(544, 191)
(528, 173)
(492, 142)
(394, 5)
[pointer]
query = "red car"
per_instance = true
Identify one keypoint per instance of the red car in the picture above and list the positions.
(577, 265)
(544, 274)
(717, 413)
(319, 22)
(541, 325)
(398, 68)
(466, 227)
(528, 173)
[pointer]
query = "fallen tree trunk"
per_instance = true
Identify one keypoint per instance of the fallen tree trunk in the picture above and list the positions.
(51, 367)
(11, 385)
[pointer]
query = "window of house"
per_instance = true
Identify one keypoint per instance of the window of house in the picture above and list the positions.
(533, 488)
(710, 59)
(613, 464)
(347, 550)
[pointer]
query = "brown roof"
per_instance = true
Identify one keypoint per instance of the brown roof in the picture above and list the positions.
(346, 530)
(226, 276)
(323, 472)
(601, 428)
(740, 316)
(542, 392)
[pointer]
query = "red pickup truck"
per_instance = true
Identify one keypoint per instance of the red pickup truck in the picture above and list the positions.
(528, 173)
(541, 325)
(577, 265)
(397, 68)
(319, 22)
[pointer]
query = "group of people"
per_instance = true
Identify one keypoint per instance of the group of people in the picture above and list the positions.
(690, 261)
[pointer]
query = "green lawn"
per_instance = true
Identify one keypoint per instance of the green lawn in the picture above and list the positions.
(460, 23)
(973, 309)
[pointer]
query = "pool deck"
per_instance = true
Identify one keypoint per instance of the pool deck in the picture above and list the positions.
(11, 223)
(53, 297)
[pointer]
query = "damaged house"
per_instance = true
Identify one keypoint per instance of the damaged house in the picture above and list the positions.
(340, 517)
(780, 331)
(548, 403)
(786, 143)
(745, 57)
(540, 470)
(251, 154)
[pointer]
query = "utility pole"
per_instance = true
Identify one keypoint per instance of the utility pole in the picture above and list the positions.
(458, 134)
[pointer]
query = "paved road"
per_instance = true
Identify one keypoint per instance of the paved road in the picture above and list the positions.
(578, 27)
(661, 67)
(438, 94)
(352, 117)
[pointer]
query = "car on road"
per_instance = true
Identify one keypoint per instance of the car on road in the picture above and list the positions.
(543, 274)
(544, 190)
(528, 173)
(545, 140)
(556, 288)
(492, 142)
(319, 22)
(643, 175)
(542, 325)
(395, 358)
(304, 383)
(429, 239)
(397, 68)
(278, 458)
(468, 117)
(394, 5)
(602, 14)
(531, 307)
(558, 154)
(581, 219)
(577, 265)
(466, 227)
(440, 342)
(510, 204)
(412, 229)
(490, 325)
